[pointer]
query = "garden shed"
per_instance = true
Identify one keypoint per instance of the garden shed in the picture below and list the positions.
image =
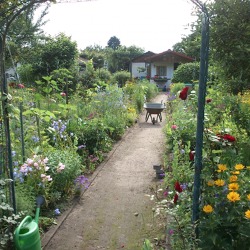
(159, 68)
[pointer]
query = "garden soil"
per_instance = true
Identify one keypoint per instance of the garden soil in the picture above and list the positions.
(115, 212)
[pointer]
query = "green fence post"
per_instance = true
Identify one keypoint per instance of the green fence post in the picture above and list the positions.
(200, 116)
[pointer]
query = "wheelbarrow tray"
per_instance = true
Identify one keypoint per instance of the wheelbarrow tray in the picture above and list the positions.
(154, 109)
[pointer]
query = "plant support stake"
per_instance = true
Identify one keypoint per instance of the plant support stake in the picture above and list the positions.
(200, 115)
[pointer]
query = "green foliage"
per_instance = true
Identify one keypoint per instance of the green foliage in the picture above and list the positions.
(186, 73)
(89, 76)
(8, 220)
(55, 53)
(104, 75)
(230, 41)
(65, 166)
(176, 87)
(26, 73)
(120, 77)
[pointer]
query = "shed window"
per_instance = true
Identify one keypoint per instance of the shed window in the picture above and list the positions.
(161, 70)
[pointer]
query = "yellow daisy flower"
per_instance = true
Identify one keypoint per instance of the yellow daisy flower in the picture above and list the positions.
(239, 166)
(247, 214)
(208, 209)
(233, 196)
(210, 183)
(219, 183)
(233, 178)
(248, 197)
(236, 172)
(233, 186)
(222, 167)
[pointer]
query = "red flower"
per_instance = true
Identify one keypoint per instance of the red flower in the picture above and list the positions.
(176, 198)
(208, 100)
(177, 187)
(183, 93)
(191, 155)
(229, 138)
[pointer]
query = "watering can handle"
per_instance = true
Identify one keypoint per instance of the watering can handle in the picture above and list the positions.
(26, 219)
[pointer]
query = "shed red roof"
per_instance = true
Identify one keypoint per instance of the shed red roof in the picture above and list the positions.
(166, 56)
(170, 55)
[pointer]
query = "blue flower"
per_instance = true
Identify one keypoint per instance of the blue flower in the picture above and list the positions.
(57, 211)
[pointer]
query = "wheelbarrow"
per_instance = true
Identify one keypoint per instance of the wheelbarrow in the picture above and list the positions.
(154, 109)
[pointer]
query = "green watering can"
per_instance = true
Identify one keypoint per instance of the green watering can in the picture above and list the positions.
(26, 235)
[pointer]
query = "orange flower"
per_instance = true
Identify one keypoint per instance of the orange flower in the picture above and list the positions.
(210, 183)
(208, 209)
(233, 178)
(236, 172)
(233, 196)
(233, 186)
(219, 183)
(247, 214)
(222, 167)
(239, 166)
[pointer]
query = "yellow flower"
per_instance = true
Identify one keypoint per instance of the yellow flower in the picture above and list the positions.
(247, 214)
(238, 166)
(219, 183)
(248, 197)
(233, 178)
(233, 196)
(236, 172)
(248, 167)
(233, 186)
(210, 183)
(208, 209)
(222, 167)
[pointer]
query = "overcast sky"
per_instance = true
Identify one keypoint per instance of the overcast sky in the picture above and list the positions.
(153, 25)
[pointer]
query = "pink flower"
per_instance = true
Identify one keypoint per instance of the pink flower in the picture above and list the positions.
(63, 94)
(20, 85)
(174, 127)
(60, 167)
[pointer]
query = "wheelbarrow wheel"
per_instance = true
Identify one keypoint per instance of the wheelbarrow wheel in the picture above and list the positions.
(154, 121)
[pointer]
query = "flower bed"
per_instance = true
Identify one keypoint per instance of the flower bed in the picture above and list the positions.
(224, 211)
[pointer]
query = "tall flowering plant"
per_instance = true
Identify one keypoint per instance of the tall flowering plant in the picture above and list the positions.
(37, 176)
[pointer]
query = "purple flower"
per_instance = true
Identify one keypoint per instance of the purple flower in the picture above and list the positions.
(81, 146)
(81, 182)
(57, 211)
(184, 186)
(171, 231)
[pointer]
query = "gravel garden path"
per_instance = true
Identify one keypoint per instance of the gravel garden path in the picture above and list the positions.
(115, 211)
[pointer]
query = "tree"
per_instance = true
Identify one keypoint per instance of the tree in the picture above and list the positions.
(121, 58)
(54, 53)
(114, 43)
(230, 36)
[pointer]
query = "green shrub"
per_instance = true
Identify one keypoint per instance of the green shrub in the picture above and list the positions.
(186, 73)
(120, 77)
(65, 165)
